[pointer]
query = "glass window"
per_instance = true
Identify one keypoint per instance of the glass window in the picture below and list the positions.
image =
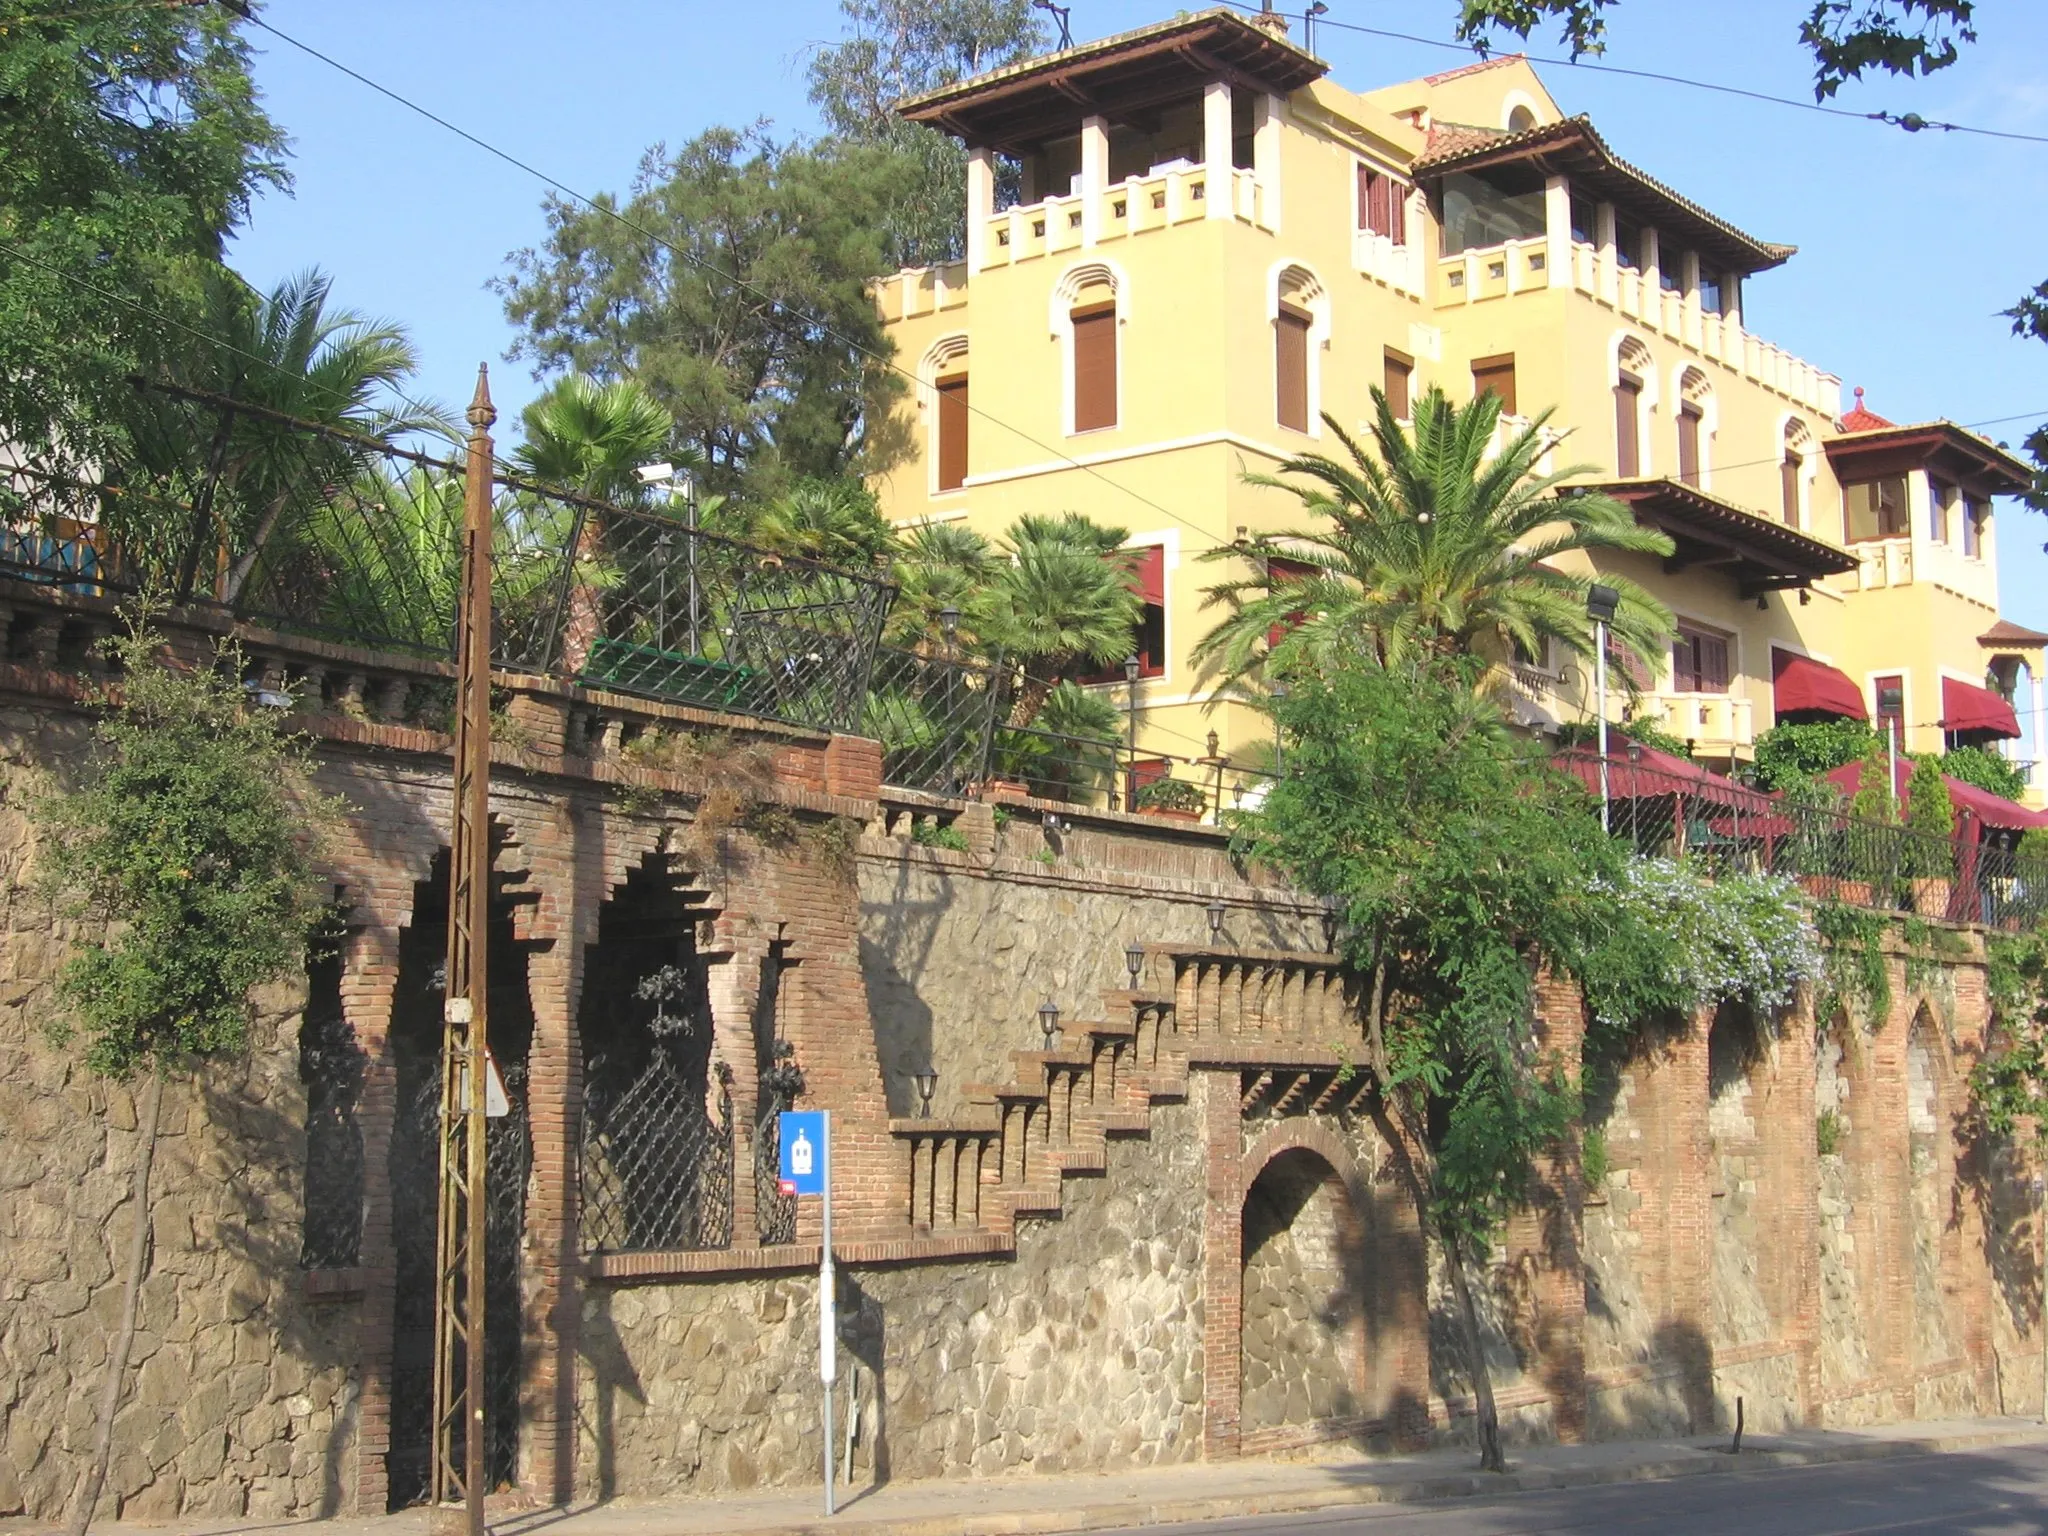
(1710, 293)
(1491, 208)
(1976, 526)
(1382, 205)
(1941, 499)
(1495, 375)
(1891, 703)
(1790, 472)
(1628, 242)
(1699, 661)
(1585, 218)
(1876, 509)
(1669, 268)
(1400, 377)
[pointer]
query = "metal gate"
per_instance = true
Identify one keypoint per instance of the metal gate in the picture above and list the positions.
(415, 1153)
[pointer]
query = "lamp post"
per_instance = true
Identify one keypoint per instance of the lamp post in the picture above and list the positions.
(1131, 670)
(1602, 602)
(949, 625)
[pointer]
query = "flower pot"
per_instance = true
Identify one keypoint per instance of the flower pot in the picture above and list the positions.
(1006, 789)
(1853, 893)
(1170, 813)
(1931, 896)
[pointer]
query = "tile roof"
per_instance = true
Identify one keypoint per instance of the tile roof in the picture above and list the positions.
(1479, 67)
(1863, 419)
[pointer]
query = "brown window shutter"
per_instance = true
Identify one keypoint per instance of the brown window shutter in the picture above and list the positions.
(1628, 459)
(1365, 189)
(1290, 364)
(953, 432)
(1400, 375)
(1397, 213)
(1496, 374)
(1094, 367)
(1788, 488)
(1689, 444)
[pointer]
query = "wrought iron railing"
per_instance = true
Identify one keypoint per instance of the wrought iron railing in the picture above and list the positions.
(657, 1160)
(331, 534)
(936, 719)
(1977, 875)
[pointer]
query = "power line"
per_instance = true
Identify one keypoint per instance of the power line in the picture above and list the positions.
(1911, 122)
(194, 332)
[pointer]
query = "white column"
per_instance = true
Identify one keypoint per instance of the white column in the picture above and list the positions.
(1557, 231)
(1266, 162)
(1606, 271)
(1731, 319)
(1094, 176)
(1216, 152)
(981, 206)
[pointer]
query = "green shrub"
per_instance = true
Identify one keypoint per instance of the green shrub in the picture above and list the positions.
(1827, 1133)
(1586, 733)
(1786, 754)
(1984, 769)
(929, 834)
(1172, 795)
(1931, 816)
(1593, 1159)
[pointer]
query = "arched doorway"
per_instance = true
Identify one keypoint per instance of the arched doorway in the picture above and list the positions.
(1302, 1344)
(1927, 1179)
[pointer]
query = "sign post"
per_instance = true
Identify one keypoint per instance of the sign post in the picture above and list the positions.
(806, 1138)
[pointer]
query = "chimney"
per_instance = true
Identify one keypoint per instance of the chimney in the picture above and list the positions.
(1269, 20)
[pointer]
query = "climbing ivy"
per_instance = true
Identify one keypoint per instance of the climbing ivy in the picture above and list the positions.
(2009, 1084)
(1854, 973)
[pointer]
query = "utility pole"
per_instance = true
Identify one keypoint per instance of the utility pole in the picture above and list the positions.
(458, 1465)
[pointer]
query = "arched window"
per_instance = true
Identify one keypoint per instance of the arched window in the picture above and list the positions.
(1695, 427)
(1090, 305)
(1299, 308)
(1635, 386)
(942, 380)
(1795, 472)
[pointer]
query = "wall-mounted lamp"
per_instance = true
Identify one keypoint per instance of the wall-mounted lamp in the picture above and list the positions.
(1215, 911)
(1049, 1022)
(1134, 959)
(1333, 918)
(926, 1080)
(1055, 823)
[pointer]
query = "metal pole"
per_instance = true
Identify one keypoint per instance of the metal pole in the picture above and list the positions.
(1891, 741)
(1131, 742)
(690, 523)
(828, 1327)
(459, 1288)
(1600, 687)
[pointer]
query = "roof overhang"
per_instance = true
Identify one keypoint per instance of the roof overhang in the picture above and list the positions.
(1573, 148)
(1975, 463)
(1119, 78)
(1759, 555)
(2008, 636)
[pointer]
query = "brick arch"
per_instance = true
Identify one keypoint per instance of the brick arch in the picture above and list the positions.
(1922, 1015)
(1304, 1136)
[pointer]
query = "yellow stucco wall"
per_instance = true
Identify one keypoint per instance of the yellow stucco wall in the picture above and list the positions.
(1197, 377)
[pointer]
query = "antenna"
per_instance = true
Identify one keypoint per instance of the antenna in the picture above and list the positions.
(1060, 15)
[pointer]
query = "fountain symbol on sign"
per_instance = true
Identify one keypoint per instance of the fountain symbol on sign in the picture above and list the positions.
(803, 1132)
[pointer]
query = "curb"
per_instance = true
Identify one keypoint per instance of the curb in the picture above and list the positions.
(1126, 1514)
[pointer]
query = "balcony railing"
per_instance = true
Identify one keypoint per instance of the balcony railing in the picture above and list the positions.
(1718, 724)
(1135, 206)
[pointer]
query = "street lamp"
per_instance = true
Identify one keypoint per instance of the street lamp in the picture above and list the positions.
(949, 621)
(681, 486)
(1602, 603)
(1049, 1022)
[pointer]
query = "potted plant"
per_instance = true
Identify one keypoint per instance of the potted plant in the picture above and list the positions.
(1928, 858)
(1815, 848)
(1175, 799)
(1873, 842)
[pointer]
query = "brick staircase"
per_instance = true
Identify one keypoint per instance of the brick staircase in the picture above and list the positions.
(1285, 1020)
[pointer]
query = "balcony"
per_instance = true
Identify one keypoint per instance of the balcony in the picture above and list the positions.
(1719, 725)
(1170, 195)
(1882, 564)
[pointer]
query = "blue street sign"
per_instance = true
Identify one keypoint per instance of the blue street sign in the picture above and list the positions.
(803, 1152)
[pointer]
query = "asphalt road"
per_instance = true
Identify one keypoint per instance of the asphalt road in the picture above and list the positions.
(1987, 1493)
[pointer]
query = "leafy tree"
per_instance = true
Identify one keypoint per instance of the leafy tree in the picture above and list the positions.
(899, 48)
(1788, 753)
(731, 285)
(1063, 601)
(188, 837)
(1847, 39)
(1985, 769)
(1429, 547)
(1462, 865)
(1876, 798)
(131, 146)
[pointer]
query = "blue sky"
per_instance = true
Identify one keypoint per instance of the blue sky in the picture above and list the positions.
(1909, 244)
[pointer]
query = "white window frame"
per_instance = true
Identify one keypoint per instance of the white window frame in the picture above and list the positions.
(1313, 295)
(1096, 272)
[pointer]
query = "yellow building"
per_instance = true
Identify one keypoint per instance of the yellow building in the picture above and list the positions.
(1211, 245)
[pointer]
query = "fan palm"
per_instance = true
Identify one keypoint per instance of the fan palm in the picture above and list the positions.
(288, 352)
(940, 566)
(1064, 599)
(835, 522)
(1432, 547)
(591, 437)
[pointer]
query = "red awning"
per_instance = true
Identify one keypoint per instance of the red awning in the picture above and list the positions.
(1148, 575)
(1966, 707)
(1637, 772)
(1799, 684)
(1989, 810)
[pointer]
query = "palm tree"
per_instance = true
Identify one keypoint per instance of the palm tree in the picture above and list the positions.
(1434, 546)
(591, 438)
(835, 522)
(1064, 599)
(940, 566)
(288, 352)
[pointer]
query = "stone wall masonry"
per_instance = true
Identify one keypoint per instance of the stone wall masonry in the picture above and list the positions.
(1720, 1254)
